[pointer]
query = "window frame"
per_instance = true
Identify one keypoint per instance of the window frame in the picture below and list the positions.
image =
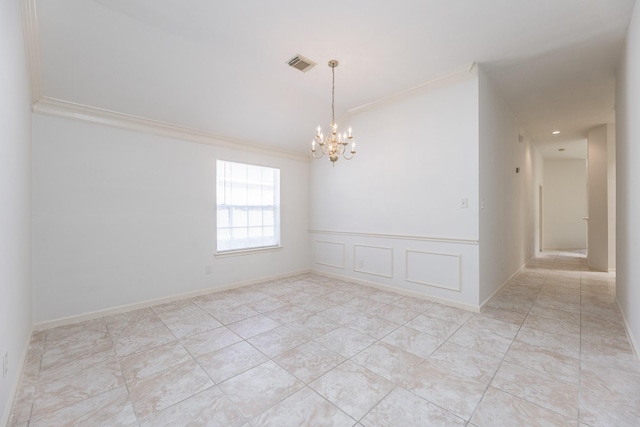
(275, 207)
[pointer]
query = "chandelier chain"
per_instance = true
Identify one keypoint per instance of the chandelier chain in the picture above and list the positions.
(333, 96)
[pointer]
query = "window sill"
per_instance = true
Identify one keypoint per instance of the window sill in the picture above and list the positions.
(240, 252)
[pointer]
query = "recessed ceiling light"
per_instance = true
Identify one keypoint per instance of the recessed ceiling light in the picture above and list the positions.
(560, 149)
(555, 132)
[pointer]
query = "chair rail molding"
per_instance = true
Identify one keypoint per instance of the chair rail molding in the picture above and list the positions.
(456, 240)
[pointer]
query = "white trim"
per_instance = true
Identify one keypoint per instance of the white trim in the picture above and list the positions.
(13, 390)
(369, 272)
(249, 251)
(331, 265)
(458, 75)
(150, 303)
(401, 291)
(398, 236)
(562, 248)
(86, 113)
(497, 291)
(406, 270)
(71, 110)
(32, 47)
(634, 343)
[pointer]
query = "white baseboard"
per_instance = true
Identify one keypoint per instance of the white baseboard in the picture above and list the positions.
(632, 340)
(401, 291)
(497, 291)
(563, 248)
(149, 303)
(16, 383)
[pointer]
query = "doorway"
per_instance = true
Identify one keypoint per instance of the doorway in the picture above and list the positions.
(540, 210)
(563, 204)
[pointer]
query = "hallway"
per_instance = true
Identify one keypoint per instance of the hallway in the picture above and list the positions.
(550, 350)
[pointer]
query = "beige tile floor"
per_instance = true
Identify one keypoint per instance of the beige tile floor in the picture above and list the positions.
(549, 350)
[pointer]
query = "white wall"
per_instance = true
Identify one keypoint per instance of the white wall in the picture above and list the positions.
(392, 215)
(121, 217)
(597, 177)
(508, 213)
(15, 201)
(564, 204)
(628, 180)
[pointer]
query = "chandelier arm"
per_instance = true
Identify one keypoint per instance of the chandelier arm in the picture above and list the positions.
(350, 157)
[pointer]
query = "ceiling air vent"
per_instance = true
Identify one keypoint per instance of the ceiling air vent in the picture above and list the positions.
(301, 63)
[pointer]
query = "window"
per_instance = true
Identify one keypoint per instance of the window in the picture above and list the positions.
(248, 201)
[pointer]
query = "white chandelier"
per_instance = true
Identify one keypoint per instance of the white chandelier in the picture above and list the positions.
(334, 145)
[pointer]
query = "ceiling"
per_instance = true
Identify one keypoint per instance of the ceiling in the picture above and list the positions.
(220, 66)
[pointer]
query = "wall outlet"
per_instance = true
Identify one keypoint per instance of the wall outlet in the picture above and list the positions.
(361, 263)
(464, 203)
(207, 269)
(5, 364)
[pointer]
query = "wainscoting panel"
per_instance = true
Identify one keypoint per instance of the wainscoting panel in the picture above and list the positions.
(439, 268)
(330, 254)
(373, 260)
(433, 269)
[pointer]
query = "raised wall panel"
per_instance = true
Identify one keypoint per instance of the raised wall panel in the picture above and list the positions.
(433, 269)
(440, 268)
(330, 254)
(373, 260)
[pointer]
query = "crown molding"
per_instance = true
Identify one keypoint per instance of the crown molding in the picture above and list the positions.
(70, 110)
(32, 46)
(457, 75)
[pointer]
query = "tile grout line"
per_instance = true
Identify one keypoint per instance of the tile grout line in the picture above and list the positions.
(505, 354)
(547, 282)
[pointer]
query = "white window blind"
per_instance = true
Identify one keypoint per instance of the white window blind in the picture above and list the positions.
(248, 201)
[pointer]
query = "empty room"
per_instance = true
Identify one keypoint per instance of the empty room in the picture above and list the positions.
(292, 213)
